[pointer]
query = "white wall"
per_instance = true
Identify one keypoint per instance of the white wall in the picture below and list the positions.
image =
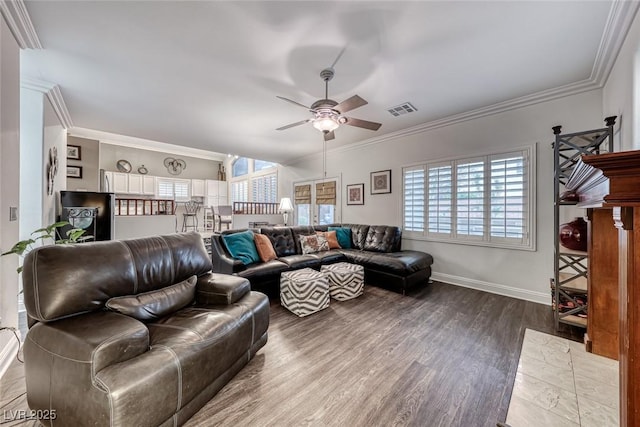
(523, 274)
(31, 140)
(9, 186)
(621, 94)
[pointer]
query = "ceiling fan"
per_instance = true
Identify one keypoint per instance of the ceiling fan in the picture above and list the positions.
(328, 114)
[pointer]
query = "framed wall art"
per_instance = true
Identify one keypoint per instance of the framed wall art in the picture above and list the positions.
(74, 171)
(355, 194)
(73, 152)
(381, 182)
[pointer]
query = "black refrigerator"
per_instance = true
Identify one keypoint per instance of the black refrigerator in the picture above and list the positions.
(92, 211)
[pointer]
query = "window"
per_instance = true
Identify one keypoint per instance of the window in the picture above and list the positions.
(239, 191)
(254, 181)
(240, 167)
(172, 188)
(265, 188)
(482, 200)
(260, 165)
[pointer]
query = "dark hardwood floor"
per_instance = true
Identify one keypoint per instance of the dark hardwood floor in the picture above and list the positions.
(442, 355)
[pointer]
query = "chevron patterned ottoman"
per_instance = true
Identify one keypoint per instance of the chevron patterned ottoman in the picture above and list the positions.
(304, 292)
(346, 281)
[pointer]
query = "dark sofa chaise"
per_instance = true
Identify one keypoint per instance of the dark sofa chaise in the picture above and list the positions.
(375, 247)
(86, 365)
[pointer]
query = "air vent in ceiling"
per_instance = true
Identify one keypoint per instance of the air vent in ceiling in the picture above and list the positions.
(401, 109)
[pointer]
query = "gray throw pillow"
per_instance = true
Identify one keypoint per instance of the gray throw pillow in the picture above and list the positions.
(153, 305)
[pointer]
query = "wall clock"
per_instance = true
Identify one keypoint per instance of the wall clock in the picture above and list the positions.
(123, 166)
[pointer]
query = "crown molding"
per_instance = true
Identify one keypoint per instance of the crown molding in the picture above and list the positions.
(17, 18)
(145, 144)
(53, 94)
(619, 21)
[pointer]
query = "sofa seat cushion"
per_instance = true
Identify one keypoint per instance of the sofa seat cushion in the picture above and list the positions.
(261, 270)
(205, 342)
(330, 257)
(402, 263)
(296, 262)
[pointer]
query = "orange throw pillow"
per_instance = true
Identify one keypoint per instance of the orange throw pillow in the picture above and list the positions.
(332, 239)
(264, 247)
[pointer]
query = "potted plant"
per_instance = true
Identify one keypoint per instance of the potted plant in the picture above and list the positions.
(21, 248)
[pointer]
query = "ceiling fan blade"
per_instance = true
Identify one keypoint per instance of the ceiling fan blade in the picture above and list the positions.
(329, 136)
(350, 104)
(293, 102)
(362, 123)
(301, 122)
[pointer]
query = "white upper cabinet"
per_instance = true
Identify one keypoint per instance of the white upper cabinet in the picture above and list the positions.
(198, 187)
(120, 182)
(135, 184)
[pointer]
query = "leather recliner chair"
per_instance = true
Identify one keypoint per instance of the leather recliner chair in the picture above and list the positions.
(154, 366)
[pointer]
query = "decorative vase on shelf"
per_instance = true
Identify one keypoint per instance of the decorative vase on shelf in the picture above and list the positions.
(220, 172)
(573, 235)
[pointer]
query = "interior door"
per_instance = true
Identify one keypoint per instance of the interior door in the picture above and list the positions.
(317, 202)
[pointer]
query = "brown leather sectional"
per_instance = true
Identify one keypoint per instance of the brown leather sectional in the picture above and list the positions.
(375, 247)
(87, 365)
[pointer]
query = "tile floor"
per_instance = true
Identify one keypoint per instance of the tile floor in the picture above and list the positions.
(559, 384)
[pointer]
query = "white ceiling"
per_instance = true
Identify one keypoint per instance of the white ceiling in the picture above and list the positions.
(205, 74)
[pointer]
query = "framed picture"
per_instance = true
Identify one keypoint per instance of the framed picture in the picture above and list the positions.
(381, 182)
(73, 152)
(74, 171)
(355, 194)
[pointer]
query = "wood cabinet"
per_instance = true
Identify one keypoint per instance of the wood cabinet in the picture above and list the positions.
(610, 183)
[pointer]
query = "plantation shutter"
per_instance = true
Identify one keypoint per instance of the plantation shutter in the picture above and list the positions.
(265, 188)
(470, 205)
(239, 191)
(302, 194)
(165, 189)
(509, 197)
(414, 202)
(326, 193)
(181, 190)
(440, 198)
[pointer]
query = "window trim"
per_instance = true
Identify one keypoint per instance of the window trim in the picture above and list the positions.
(530, 152)
(251, 175)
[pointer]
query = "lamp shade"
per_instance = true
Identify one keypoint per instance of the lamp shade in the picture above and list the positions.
(285, 205)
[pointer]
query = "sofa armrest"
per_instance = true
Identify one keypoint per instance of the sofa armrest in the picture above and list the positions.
(215, 288)
(99, 338)
(221, 261)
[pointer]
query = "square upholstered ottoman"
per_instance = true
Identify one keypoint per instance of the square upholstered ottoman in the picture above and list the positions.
(304, 292)
(346, 281)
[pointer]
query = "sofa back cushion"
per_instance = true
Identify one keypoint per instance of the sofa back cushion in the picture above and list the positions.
(358, 234)
(382, 238)
(281, 239)
(65, 280)
(155, 304)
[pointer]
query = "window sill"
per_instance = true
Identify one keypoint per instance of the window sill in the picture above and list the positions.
(526, 248)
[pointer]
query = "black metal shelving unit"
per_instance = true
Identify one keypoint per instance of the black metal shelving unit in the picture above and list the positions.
(571, 268)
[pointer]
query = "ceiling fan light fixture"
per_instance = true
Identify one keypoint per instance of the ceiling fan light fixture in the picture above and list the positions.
(325, 124)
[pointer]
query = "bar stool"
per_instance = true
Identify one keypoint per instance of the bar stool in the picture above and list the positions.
(190, 216)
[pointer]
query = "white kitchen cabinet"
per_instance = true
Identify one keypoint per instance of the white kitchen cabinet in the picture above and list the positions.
(148, 185)
(135, 184)
(198, 187)
(216, 188)
(120, 182)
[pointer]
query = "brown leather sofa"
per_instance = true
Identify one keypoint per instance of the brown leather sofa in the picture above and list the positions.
(376, 247)
(87, 365)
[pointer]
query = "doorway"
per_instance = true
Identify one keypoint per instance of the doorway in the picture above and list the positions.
(316, 202)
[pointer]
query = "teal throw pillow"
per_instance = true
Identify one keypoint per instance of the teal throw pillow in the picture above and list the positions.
(242, 247)
(344, 236)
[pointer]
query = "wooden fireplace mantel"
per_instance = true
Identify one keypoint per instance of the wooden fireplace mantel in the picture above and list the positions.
(612, 180)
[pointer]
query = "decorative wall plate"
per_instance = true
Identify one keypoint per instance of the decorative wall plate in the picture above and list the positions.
(142, 170)
(123, 166)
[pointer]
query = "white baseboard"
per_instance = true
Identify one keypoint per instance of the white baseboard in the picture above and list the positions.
(494, 288)
(8, 349)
